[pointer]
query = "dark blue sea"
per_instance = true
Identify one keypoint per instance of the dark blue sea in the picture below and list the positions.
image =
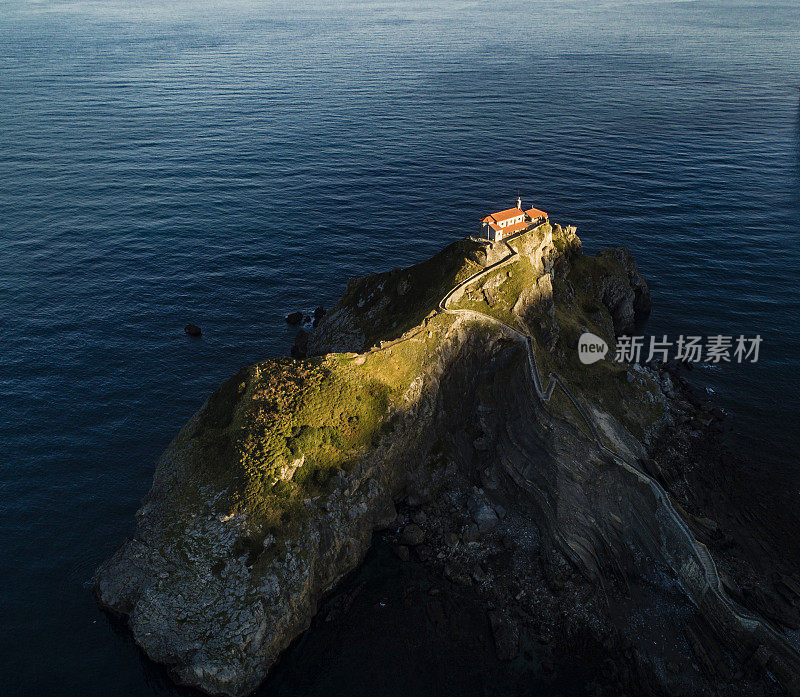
(226, 163)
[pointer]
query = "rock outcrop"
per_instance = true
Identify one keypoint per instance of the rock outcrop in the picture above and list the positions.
(626, 295)
(272, 492)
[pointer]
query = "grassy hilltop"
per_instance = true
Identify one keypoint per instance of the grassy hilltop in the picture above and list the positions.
(277, 433)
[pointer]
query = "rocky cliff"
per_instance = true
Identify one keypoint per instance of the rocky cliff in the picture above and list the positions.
(426, 412)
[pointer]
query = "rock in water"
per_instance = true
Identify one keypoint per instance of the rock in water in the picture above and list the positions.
(193, 330)
(270, 495)
(626, 293)
(300, 348)
(294, 318)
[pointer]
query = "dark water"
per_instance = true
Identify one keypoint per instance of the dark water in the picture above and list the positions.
(224, 164)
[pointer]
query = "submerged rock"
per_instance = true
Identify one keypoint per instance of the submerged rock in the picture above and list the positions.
(294, 318)
(193, 330)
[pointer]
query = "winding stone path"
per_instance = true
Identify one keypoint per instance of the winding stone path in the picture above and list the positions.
(747, 621)
(758, 628)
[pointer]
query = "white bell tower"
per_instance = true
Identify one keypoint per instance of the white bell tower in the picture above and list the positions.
(519, 202)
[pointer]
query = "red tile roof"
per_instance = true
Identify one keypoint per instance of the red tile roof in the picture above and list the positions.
(503, 215)
(516, 227)
(510, 229)
(535, 213)
(509, 213)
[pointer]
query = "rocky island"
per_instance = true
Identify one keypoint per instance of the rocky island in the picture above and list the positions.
(444, 405)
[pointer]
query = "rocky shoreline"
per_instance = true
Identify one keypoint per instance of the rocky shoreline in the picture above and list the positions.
(424, 428)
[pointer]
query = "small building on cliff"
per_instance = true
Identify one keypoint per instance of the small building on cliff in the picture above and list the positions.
(498, 226)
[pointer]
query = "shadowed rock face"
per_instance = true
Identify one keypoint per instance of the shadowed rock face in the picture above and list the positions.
(626, 296)
(216, 593)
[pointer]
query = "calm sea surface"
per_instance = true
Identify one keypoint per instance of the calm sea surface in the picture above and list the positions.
(226, 163)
